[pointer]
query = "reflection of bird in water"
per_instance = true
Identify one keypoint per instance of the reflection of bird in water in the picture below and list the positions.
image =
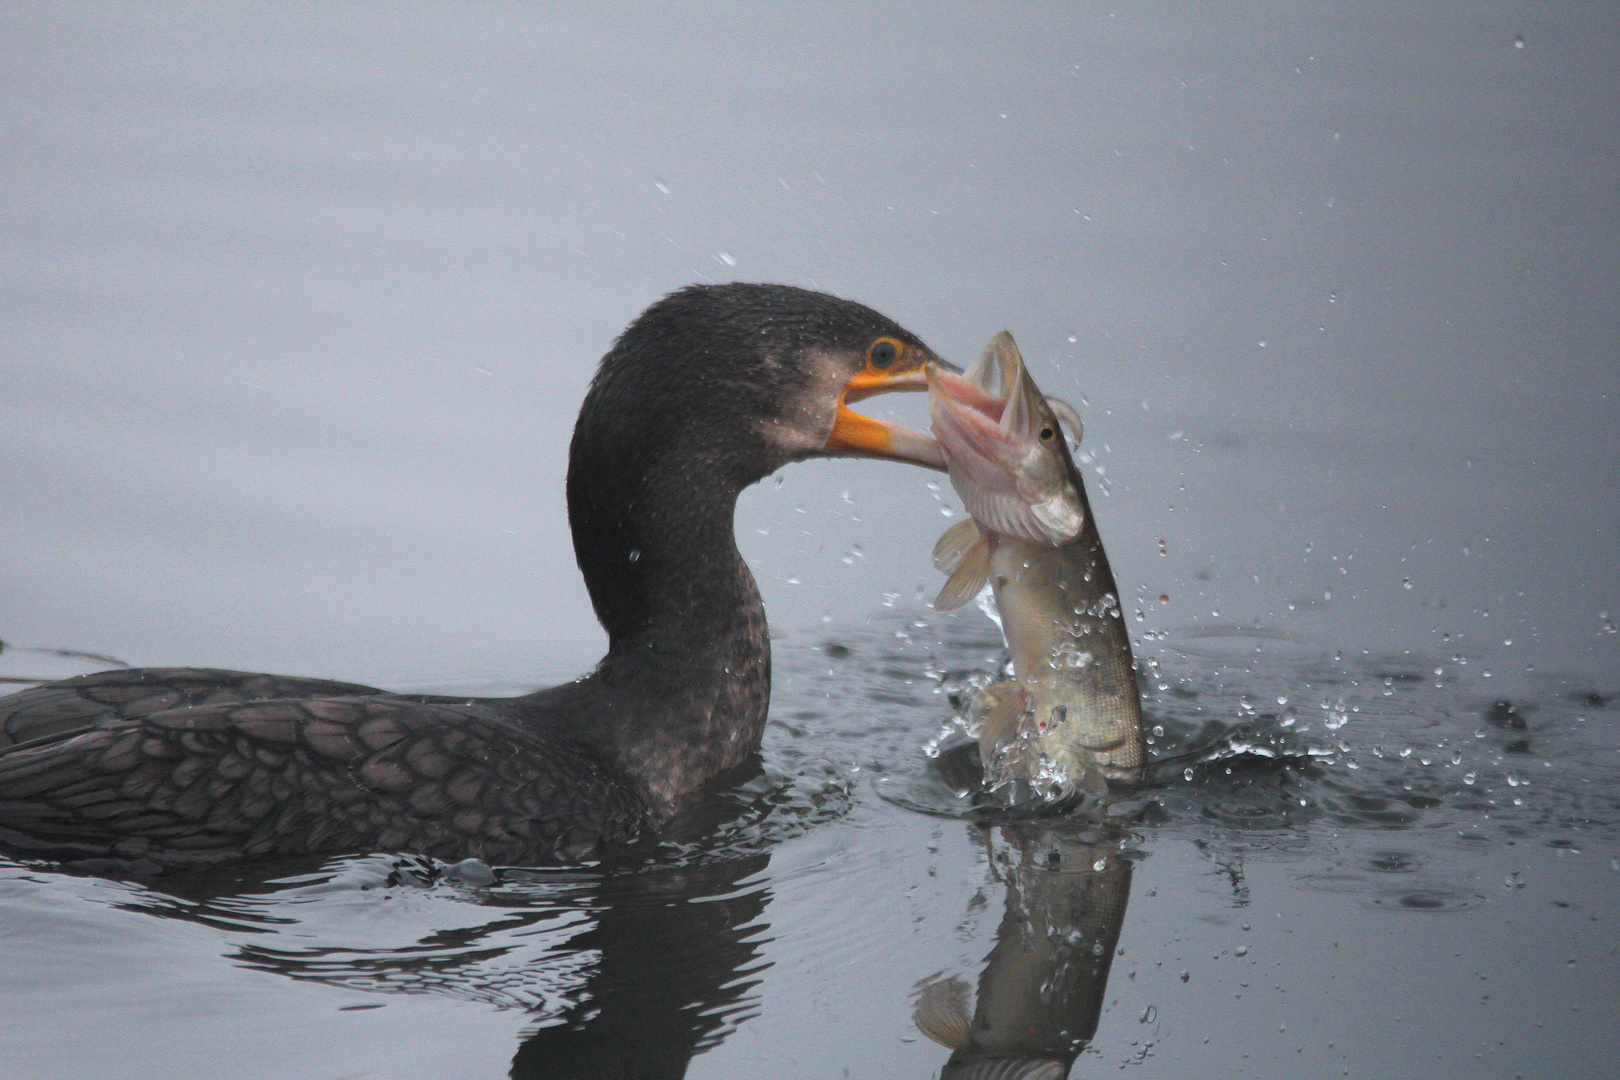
(1043, 984)
(627, 969)
(707, 392)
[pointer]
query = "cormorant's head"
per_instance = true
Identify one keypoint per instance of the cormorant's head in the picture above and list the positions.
(748, 377)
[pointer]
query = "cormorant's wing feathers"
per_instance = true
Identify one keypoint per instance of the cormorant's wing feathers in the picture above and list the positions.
(315, 775)
(71, 706)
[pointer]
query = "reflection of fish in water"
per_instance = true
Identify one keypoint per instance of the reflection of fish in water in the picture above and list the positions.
(1042, 989)
(1072, 720)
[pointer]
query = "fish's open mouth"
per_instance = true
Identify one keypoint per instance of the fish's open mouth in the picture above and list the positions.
(1004, 450)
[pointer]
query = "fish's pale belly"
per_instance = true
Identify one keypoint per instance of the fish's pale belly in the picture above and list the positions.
(1078, 715)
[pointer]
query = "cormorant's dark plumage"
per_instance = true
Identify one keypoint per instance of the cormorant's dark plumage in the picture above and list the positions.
(709, 390)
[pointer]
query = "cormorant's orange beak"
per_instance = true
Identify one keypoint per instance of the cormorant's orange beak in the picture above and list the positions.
(863, 436)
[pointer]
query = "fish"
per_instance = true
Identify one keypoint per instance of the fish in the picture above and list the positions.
(1042, 989)
(1070, 720)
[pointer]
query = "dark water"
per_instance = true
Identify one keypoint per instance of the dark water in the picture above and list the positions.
(1388, 874)
(298, 304)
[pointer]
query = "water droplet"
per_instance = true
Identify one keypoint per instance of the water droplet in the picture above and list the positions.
(1469, 778)
(1187, 775)
(1261, 343)
(1406, 583)
(1337, 715)
(658, 182)
(1158, 731)
(726, 257)
(1162, 550)
(1150, 1014)
(1164, 598)
(1185, 975)
(1518, 42)
(1241, 950)
(635, 554)
(1100, 865)
(1073, 337)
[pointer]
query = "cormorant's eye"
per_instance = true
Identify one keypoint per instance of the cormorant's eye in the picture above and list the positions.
(883, 353)
(1047, 434)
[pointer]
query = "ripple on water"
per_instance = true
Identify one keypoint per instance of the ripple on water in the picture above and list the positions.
(1260, 738)
(1430, 900)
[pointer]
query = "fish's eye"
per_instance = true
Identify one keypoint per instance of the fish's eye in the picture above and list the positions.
(1047, 434)
(883, 352)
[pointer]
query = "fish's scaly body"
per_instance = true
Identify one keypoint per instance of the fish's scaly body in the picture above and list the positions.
(1072, 718)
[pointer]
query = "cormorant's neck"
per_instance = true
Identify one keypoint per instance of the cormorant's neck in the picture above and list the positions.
(683, 690)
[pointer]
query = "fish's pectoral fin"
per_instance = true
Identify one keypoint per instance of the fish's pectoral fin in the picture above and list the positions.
(942, 1013)
(953, 543)
(990, 696)
(972, 571)
(1002, 706)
